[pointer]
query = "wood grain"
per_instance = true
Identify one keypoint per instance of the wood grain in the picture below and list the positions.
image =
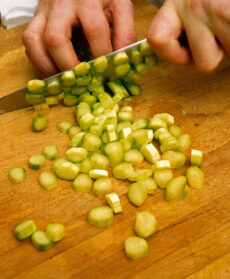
(193, 235)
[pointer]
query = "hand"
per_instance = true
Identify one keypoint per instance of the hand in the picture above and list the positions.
(207, 26)
(48, 36)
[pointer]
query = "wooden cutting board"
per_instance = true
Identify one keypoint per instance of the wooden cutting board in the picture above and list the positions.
(193, 235)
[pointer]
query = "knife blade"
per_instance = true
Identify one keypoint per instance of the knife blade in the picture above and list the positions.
(16, 100)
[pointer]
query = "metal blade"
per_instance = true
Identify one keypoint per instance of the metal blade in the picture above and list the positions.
(16, 100)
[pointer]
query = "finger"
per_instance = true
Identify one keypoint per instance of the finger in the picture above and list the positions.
(57, 37)
(163, 36)
(35, 47)
(205, 50)
(96, 28)
(123, 24)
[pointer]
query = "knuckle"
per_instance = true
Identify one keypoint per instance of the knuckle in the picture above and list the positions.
(94, 27)
(194, 5)
(220, 8)
(52, 39)
(207, 66)
(28, 37)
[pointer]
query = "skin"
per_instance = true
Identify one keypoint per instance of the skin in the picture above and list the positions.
(207, 26)
(47, 38)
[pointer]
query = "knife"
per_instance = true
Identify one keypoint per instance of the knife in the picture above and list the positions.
(16, 100)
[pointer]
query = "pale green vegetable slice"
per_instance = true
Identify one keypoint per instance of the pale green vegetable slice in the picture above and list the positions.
(177, 159)
(74, 131)
(82, 183)
(36, 161)
(150, 185)
(185, 142)
(196, 157)
(58, 162)
(50, 151)
(114, 202)
(47, 180)
(24, 229)
(141, 174)
(100, 216)
(134, 157)
(17, 175)
(102, 186)
(55, 231)
(136, 247)
(137, 194)
(39, 123)
(76, 154)
(64, 126)
(175, 130)
(150, 153)
(162, 177)
(176, 189)
(67, 171)
(114, 152)
(123, 171)
(99, 161)
(41, 240)
(145, 224)
(96, 173)
(195, 177)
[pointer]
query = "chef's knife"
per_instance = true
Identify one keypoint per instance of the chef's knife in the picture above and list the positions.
(16, 100)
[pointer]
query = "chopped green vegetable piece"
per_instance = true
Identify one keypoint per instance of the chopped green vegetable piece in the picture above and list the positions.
(168, 144)
(196, 157)
(168, 118)
(142, 68)
(76, 154)
(58, 162)
(150, 153)
(114, 202)
(126, 144)
(122, 125)
(117, 88)
(86, 120)
(42, 106)
(125, 116)
(55, 231)
(39, 123)
(36, 86)
(162, 165)
(83, 80)
(68, 78)
(94, 84)
(151, 60)
(64, 126)
(24, 229)
(41, 240)
(106, 100)
(114, 151)
(140, 137)
(185, 142)
(176, 189)
(61, 96)
(157, 123)
(120, 58)
(82, 109)
(78, 90)
(100, 216)
(53, 86)
(74, 130)
(100, 64)
(164, 136)
(134, 157)
(85, 166)
(195, 177)
(137, 194)
(158, 132)
(150, 185)
(47, 180)
(82, 69)
(102, 186)
(122, 70)
(175, 130)
(123, 171)
(77, 139)
(145, 49)
(70, 100)
(97, 173)
(162, 177)
(36, 161)
(133, 88)
(141, 174)
(91, 142)
(140, 124)
(145, 224)
(99, 161)
(96, 129)
(133, 74)
(136, 247)
(51, 100)
(67, 171)
(34, 98)
(136, 56)
(177, 159)
(17, 175)
(50, 151)
(82, 183)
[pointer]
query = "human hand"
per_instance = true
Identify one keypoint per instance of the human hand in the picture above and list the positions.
(48, 36)
(207, 26)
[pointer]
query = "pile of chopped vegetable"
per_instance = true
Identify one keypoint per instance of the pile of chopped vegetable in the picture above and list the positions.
(106, 136)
